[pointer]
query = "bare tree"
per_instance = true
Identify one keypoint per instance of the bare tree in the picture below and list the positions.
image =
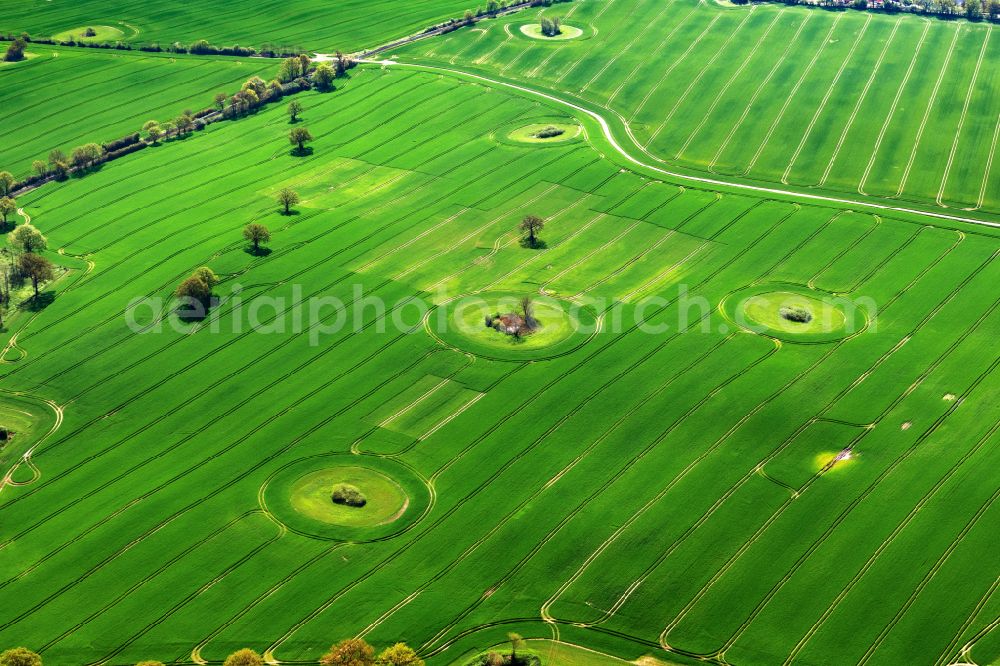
(533, 225)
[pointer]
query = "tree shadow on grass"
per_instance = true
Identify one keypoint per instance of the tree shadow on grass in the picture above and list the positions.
(305, 151)
(259, 252)
(39, 302)
(539, 244)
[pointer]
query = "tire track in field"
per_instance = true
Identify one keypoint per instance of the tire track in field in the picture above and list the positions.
(697, 79)
(709, 113)
(757, 92)
(791, 95)
(861, 100)
(854, 503)
(927, 112)
(677, 61)
(961, 119)
(888, 541)
(608, 614)
(989, 166)
(467, 449)
(655, 442)
(653, 56)
(815, 546)
(892, 109)
(826, 98)
(628, 47)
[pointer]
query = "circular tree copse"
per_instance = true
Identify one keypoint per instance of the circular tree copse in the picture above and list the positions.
(348, 495)
(795, 313)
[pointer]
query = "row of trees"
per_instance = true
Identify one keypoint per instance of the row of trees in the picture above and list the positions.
(254, 93)
(198, 47)
(348, 652)
(974, 10)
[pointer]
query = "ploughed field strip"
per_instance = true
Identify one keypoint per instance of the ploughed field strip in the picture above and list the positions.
(889, 106)
(307, 24)
(62, 97)
(705, 486)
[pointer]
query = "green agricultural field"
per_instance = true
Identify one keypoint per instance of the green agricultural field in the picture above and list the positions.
(309, 24)
(887, 106)
(743, 427)
(65, 97)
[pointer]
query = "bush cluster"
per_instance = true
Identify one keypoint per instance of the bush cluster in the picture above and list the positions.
(345, 493)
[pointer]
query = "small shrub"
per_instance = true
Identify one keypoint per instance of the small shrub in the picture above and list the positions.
(90, 32)
(346, 494)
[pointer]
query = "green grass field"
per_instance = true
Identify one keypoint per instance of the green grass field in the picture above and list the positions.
(650, 480)
(308, 24)
(65, 96)
(889, 106)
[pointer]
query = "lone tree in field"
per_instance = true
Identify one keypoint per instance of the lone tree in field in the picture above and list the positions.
(532, 225)
(323, 77)
(152, 130)
(244, 657)
(350, 652)
(399, 654)
(298, 137)
(7, 206)
(26, 238)
(6, 183)
(294, 109)
(20, 657)
(256, 234)
(287, 198)
(36, 268)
